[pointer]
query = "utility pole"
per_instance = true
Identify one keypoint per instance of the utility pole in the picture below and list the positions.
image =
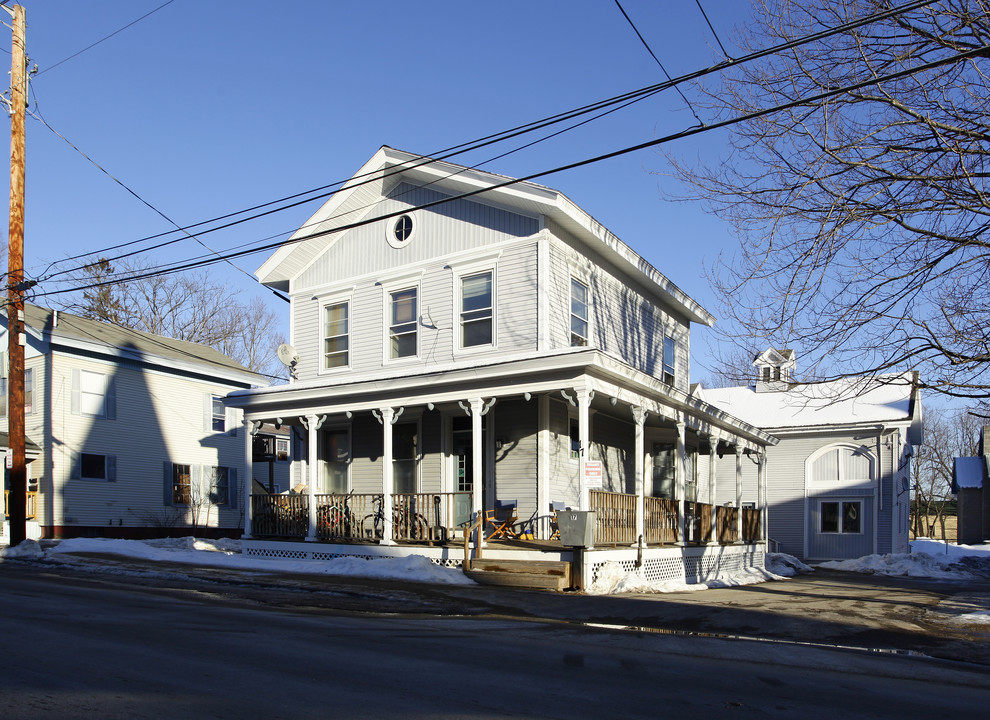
(17, 505)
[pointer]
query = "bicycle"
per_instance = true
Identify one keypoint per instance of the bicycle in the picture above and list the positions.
(335, 520)
(406, 523)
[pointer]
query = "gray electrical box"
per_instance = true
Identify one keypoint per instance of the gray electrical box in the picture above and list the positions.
(577, 528)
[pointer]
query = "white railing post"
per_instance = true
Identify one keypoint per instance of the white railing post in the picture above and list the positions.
(248, 478)
(679, 476)
(312, 455)
(739, 494)
(639, 455)
(713, 485)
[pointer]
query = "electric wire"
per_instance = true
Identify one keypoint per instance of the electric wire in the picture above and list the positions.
(714, 34)
(973, 52)
(115, 32)
(514, 132)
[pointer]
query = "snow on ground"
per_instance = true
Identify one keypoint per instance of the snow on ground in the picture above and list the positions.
(928, 558)
(226, 553)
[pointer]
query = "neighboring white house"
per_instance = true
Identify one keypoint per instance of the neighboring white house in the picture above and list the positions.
(132, 434)
(454, 353)
(839, 479)
(971, 486)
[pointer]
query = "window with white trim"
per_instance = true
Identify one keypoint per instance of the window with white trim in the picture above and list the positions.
(336, 339)
(403, 319)
(337, 451)
(92, 394)
(181, 484)
(218, 414)
(92, 466)
(579, 313)
(405, 456)
(669, 359)
(844, 518)
(477, 317)
(219, 479)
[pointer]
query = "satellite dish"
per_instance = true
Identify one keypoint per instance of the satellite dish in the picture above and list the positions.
(287, 354)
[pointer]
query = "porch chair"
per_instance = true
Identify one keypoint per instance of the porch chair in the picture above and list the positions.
(555, 507)
(501, 519)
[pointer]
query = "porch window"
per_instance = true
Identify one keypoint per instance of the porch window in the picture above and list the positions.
(181, 484)
(841, 517)
(669, 351)
(282, 449)
(337, 451)
(477, 310)
(579, 314)
(664, 470)
(404, 456)
(402, 327)
(335, 336)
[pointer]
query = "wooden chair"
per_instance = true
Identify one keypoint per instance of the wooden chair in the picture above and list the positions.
(555, 507)
(501, 519)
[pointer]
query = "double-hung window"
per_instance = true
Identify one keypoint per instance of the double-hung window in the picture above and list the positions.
(402, 329)
(92, 393)
(220, 485)
(336, 344)
(579, 314)
(477, 310)
(405, 454)
(181, 484)
(337, 451)
(669, 352)
(218, 415)
(28, 393)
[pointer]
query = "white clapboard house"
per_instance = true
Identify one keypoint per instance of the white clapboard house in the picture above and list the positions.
(127, 431)
(839, 478)
(465, 344)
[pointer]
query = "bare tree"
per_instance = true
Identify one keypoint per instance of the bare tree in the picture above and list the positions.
(863, 218)
(196, 307)
(948, 434)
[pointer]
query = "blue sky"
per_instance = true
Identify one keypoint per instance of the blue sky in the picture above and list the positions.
(207, 107)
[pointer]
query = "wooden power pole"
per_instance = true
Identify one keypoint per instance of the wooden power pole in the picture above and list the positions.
(17, 466)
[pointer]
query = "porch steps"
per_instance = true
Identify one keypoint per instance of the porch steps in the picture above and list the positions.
(539, 574)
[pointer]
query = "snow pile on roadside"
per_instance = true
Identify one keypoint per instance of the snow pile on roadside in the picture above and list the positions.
(786, 565)
(928, 558)
(226, 553)
(613, 579)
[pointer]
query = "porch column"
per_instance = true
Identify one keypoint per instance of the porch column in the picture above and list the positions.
(584, 398)
(639, 420)
(761, 501)
(713, 485)
(477, 467)
(312, 454)
(679, 473)
(739, 454)
(249, 431)
(387, 418)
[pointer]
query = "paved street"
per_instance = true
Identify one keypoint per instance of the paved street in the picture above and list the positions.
(99, 645)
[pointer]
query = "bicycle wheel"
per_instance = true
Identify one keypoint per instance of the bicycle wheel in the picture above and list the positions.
(372, 526)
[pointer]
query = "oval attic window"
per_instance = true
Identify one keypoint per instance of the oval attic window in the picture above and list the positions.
(402, 230)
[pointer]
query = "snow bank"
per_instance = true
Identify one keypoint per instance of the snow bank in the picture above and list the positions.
(613, 579)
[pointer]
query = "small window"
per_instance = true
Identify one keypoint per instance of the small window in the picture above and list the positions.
(282, 449)
(669, 353)
(28, 393)
(574, 431)
(477, 310)
(181, 485)
(403, 228)
(92, 393)
(841, 517)
(219, 414)
(579, 314)
(402, 325)
(220, 486)
(335, 336)
(93, 467)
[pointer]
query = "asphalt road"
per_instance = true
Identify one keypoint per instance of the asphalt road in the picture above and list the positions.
(208, 644)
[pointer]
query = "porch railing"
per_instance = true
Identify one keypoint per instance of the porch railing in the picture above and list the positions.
(433, 517)
(659, 521)
(615, 517)
(698, 522)
(725, 521)
(751, 524)
(342, 517)
(30, 508)
(280, 515)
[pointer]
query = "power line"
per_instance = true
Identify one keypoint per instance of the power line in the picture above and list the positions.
(491, 139)
(588, 161)
(115, 32)
(654, 56)
(714, 34)
(508, 134)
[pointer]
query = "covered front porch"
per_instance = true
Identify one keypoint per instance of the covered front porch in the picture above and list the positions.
(426, 464)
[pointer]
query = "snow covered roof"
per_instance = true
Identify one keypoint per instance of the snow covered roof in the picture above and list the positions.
(967, 472)
(848, 401)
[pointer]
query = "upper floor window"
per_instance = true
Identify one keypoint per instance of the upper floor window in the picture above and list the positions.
(335, 336)
(669, 352)
(218, 414)
(92, 393)
(400, 231)
(28, 393)
(477, 310)
(403, 316)
(579, 314)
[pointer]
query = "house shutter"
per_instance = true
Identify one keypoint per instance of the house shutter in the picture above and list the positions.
(231, 420)
(111, 398)
(167, 497)
(75, 391)
(207, 412)
(198, 495)
(232, 487)
(111, 468)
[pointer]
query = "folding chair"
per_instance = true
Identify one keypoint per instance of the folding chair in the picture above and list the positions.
(501, 519)
(555, 507)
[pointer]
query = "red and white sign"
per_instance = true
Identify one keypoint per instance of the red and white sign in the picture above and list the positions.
(593, 474)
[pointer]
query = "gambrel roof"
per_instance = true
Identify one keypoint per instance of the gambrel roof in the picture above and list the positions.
(357, 200)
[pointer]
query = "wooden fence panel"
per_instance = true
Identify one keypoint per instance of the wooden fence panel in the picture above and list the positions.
(615, 517)
(660, 526)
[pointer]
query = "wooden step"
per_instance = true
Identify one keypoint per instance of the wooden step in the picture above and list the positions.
(550, 574)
